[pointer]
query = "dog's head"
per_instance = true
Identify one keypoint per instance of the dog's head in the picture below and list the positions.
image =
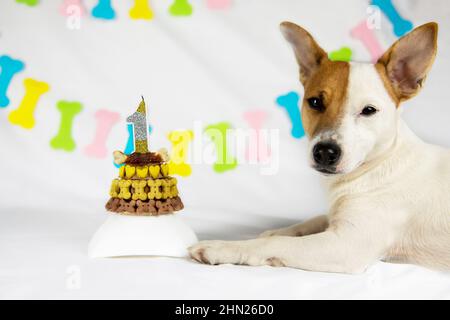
(350, 110)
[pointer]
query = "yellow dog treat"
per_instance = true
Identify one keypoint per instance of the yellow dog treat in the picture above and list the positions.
(142, 172)
(154, 171)
(165, 169)
(130, 171)
(114, 188)
(139, 190)
(125, 189)
(122, 171)
(155, 189)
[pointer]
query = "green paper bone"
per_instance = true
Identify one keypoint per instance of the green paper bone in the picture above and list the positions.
(343, 54)
(64, 140)
(180, 8)
(218, 135)
(30, 3)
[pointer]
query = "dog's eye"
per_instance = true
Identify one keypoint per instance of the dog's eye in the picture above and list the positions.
(316, 103)
(368, 111)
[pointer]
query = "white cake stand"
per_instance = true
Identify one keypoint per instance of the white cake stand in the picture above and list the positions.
(125, 235)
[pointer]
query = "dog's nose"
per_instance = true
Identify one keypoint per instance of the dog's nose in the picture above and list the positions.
(326, 153)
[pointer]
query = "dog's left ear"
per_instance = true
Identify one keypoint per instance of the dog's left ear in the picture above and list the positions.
(408, 60)
(310, 56)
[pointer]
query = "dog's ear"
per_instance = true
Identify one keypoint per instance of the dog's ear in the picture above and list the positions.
(408, 60)
(308, 53)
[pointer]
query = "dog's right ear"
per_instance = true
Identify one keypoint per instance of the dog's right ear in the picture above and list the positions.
(308, 53)
(408, 60)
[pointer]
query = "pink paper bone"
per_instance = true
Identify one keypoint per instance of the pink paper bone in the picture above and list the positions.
(367, 37)
(257, 148)
(72, 7)
(218, 4)
(105, 120)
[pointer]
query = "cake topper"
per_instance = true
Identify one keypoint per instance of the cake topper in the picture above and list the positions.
(141, 205)
(141, 154)
(144, 186)
(139, 120)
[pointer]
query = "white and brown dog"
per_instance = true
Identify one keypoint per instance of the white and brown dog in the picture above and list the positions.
(389, 191)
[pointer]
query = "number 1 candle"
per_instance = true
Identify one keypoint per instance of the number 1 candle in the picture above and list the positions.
(139, 121)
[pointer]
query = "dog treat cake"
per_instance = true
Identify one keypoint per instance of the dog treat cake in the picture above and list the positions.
(144, 186)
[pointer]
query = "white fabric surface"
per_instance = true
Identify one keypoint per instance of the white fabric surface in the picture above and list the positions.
(210, 67)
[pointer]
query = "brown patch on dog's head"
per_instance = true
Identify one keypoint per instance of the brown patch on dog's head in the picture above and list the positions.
(404, 66)
(329, 84)
(322, 78)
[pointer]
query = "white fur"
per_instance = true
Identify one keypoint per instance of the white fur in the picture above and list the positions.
(391, 201)
(365, 138)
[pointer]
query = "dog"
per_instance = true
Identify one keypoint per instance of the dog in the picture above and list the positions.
(389, 191)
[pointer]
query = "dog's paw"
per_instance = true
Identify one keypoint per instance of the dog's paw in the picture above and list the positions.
(215, 252)
(233, 252)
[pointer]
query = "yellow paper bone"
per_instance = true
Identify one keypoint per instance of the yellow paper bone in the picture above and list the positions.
(180, 142)
(141, 10)
(24, 115)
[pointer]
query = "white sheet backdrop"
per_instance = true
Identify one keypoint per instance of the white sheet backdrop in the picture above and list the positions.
(209, 67)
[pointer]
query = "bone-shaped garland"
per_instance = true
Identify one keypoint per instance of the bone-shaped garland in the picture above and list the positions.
(343, 54)
(104, 10)
(180, 143)
(290, 102)
(72, 8)
(24, 115)
(257, 149)
(401, 26)
(63, 139)
(30, 3)
(218, 4)
(8, 68)
(141, 10)
(218, 135)
(368, 39)
(180, 8)
(105, 121)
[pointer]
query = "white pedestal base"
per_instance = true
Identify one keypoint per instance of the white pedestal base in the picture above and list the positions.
(122, 235)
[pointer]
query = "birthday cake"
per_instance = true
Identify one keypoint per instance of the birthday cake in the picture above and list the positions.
(144, 186)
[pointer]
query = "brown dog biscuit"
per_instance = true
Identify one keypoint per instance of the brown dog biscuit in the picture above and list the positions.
(164, 207)
(127, 206)
(146, 208)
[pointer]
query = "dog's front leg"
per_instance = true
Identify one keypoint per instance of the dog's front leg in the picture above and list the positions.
(311, 226)
(330, 251)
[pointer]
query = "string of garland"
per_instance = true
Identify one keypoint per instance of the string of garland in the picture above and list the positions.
(141, 9)
(23, 115)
